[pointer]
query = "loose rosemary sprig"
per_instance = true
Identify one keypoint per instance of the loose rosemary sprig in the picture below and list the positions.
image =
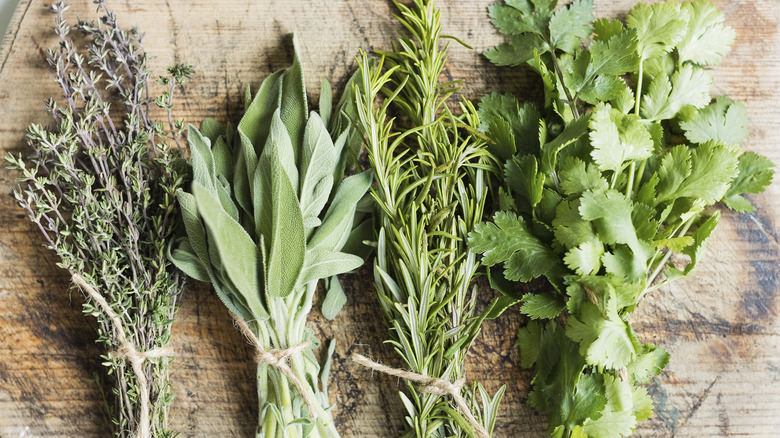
(430, 172)
(100, 186)
(268, 215)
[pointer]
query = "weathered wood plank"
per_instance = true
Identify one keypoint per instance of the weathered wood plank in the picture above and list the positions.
(721, 326)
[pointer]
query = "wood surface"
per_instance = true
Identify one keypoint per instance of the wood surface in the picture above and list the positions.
(721, 326)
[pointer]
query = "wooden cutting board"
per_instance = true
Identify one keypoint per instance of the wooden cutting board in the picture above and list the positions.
(720, 326)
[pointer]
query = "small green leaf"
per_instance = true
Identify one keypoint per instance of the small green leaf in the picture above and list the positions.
(542, 306)
(335, 298)
(237, 251)
(322, 263)
(287, 240)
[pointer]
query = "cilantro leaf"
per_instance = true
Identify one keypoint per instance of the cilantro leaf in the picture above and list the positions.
(659, 27)
(688, 86)
(508, 240)
(617, 138)
(517, 51)
(604, 339)
(570, 25)
(521, 120)
(586, 258)
(723, 120)
(569, 228)
(577, 177)
(611, 424)
(523, 178)
(542, 306)
(705, 172)
(615, 56)
(707, 39)
(755, 173)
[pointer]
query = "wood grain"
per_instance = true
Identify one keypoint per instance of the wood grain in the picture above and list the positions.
(721, 326)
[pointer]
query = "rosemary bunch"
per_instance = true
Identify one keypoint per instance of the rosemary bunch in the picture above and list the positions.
(258, 230)
(431, 172)
(100, 186)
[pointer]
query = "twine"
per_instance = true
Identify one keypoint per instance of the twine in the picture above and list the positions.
(278, 359)
(129, 353)
(430, 385)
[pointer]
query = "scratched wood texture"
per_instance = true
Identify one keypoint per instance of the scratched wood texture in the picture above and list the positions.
(721, 326)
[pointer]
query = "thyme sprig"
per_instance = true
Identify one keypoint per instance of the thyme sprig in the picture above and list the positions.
(99, 185)
(430, 172)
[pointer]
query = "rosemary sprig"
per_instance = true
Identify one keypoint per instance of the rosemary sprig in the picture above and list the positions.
(99, 185)
(431, 175)
(259, 231)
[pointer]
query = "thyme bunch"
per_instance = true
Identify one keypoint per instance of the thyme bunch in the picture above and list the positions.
(100, 185)
(431, 173)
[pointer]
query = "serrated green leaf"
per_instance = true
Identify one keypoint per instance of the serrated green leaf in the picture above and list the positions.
(755, 173)
(611, 424)
(522, 177)
(570, 25)
(723, 120)
(648, 364)
(659, 27)
(576, 177)
(517, 51)
(603, 342)
(713, 166)
(585, 259)
(707, 39)
(542, 306)
(508, 240)
(617, 139)
(570, 229)
(689, 85)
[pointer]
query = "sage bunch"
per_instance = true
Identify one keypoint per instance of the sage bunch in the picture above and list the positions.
(268, 215)
(431, 169)
(99, 184)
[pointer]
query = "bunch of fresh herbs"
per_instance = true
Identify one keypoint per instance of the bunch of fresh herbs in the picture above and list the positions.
(609, 190)
(100, 184)
(431, 169)
(259, 231)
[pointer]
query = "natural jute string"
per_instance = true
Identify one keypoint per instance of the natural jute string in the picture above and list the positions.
(127, 351)
(429, 385)
(278, 359)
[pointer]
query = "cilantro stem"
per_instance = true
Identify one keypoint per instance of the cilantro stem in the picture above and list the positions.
(682, 229)
(630, 184)
(639, 86)
(559, 73)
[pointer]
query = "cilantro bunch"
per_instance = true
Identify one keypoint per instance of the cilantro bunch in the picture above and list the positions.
(608, 190)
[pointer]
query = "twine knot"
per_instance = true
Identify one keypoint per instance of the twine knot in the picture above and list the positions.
(430, 385)
(127, 351)
(278, 359)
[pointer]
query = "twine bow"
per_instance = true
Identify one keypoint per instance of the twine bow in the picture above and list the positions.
(278, 359)
(430, 385)
(129, 353)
